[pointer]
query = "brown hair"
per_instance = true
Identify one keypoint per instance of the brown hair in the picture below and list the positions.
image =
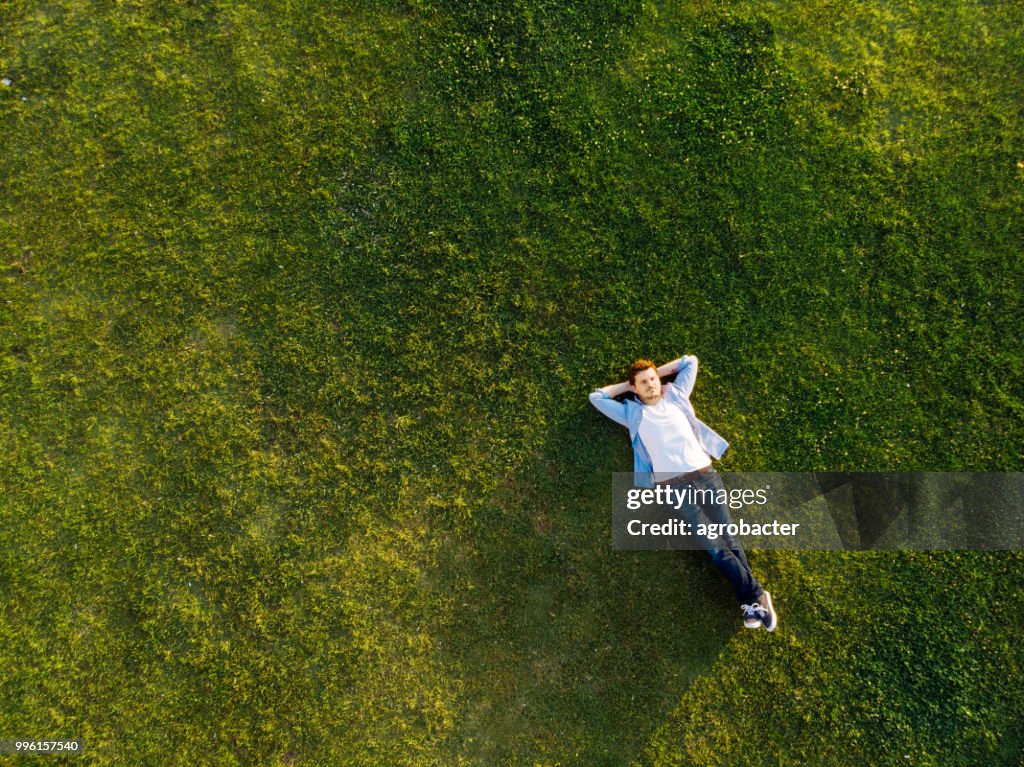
(636, 368)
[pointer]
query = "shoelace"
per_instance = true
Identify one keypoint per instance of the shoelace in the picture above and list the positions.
(755, 610)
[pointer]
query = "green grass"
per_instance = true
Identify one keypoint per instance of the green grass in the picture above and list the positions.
(300, 307)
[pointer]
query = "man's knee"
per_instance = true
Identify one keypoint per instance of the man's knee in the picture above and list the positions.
(720, 554)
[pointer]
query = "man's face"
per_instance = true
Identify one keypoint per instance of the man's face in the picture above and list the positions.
(647, 386)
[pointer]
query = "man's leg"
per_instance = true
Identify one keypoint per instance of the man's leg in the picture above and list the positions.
(730, 559)
(726, 551)
(731, 562)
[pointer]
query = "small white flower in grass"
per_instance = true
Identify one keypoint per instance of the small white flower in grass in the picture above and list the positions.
(6, 81)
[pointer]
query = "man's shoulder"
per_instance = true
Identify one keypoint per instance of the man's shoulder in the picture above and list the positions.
(678, 398)
(634, 408)
(674, 391)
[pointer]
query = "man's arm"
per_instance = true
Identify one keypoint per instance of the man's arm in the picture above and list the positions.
(615, 390)
(669, 367)
(687, 368)
(603, 400)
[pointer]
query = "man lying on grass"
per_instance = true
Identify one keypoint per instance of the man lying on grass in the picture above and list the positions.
(670, 442)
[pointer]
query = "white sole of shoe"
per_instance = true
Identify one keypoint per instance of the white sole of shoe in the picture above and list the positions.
(771, 611)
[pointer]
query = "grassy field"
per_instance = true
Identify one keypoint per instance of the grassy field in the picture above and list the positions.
(301, 303)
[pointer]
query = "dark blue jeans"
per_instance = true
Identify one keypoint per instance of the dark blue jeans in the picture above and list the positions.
(726, 551)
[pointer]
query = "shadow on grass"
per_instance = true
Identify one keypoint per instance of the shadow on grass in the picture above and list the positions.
(571, 652)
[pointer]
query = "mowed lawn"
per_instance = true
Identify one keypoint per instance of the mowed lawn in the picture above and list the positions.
(300, 303)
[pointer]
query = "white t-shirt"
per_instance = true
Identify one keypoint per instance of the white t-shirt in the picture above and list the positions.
(670, 441)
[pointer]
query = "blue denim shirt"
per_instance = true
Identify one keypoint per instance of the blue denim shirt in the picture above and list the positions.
(630, 413)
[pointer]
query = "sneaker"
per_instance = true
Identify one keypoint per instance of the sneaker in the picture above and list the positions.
(765, 610)
(751, 616)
